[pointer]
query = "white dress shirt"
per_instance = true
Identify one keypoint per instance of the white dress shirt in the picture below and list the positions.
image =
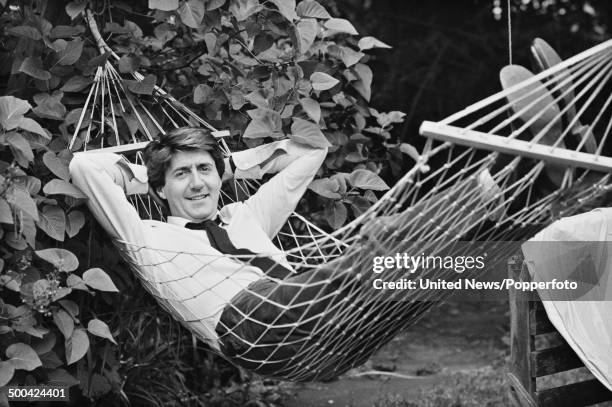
(569, 249)
(178, 266)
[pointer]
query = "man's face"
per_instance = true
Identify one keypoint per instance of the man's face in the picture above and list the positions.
(192, 186)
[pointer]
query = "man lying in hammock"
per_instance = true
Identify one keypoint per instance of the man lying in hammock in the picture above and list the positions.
(218, 271)
(196, 259)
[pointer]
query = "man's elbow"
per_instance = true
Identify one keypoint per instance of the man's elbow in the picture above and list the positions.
(78, 164)
(320, 153)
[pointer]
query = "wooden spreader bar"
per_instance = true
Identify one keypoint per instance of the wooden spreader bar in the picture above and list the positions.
(492, 142)
(132, 147)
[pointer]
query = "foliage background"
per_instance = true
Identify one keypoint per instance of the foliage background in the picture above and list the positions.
(70, 310)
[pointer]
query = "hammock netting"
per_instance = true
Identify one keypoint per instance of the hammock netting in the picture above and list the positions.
(493, 175)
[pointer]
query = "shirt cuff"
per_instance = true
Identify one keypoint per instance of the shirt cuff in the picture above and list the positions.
(248, 161)
(135, 179)
(135, 171)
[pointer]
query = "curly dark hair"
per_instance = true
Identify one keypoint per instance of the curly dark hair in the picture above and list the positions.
(158, 153)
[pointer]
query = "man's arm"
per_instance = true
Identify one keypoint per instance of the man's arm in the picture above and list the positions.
(296, 165)
(106, 179)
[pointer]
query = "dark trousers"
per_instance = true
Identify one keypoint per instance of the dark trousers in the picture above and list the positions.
(320, 323)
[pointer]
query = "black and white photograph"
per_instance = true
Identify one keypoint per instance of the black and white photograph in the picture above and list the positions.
(305, 203)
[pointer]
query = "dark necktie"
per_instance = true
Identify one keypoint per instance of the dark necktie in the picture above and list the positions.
(219, 239)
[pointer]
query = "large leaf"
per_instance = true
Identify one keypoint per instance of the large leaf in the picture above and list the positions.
(60, 377)
(312, 9)
(359, 204)
(202, 93)
(45, 344)
(76, 83)
(15, 241)
(62, 259)
(61, 187)
(57, 165)
(307, 31)
(129, 63)
(99, 386)
(116, 28)
(410, 150)
(75, 222)
(22, 356)
(28, 229)
(75, 8)
(76, 346)
(214, 4)
(21, 148)
(164, 5)
(322, 81)
(309, 133)
(66, 31)
(243, 9)
(33, 66)
(70, 306)
(326, 187)
(365, 179)
(22, 200)
(96, 278)
(99, 328)
(262, 42)
(312, 108)
(51, 109)
(40, 23)
(30, 125)
(61, 293)
(6, 215)
(50, 360)
(143, 87)
(336, 215)
(76, 283)
(7, 370)
(534, 102)
(71, 53)
(192, 13)
(164, 32)
(286, 8)
(265, 123)
(11, 281)
(73, 117)
(371, 42)
(341, 26)
(12, 110)
(387, 119)
(99, 60)
(52, 220)
(58, 45)
(349, 56)
(25, 31)
(364, 84)
(64, 322)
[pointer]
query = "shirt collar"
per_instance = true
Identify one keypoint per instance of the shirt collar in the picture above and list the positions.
(179, 221)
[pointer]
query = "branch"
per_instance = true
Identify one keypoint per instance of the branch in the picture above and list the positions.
(185, 65)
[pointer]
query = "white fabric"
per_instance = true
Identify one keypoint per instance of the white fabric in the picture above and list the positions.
(196, 280)
(586, 324)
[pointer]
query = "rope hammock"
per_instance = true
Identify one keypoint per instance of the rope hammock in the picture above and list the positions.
(496, 171)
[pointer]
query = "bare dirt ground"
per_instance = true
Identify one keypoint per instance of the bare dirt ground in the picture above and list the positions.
(454, 356)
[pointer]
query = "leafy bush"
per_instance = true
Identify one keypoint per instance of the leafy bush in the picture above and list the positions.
(264, 70)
